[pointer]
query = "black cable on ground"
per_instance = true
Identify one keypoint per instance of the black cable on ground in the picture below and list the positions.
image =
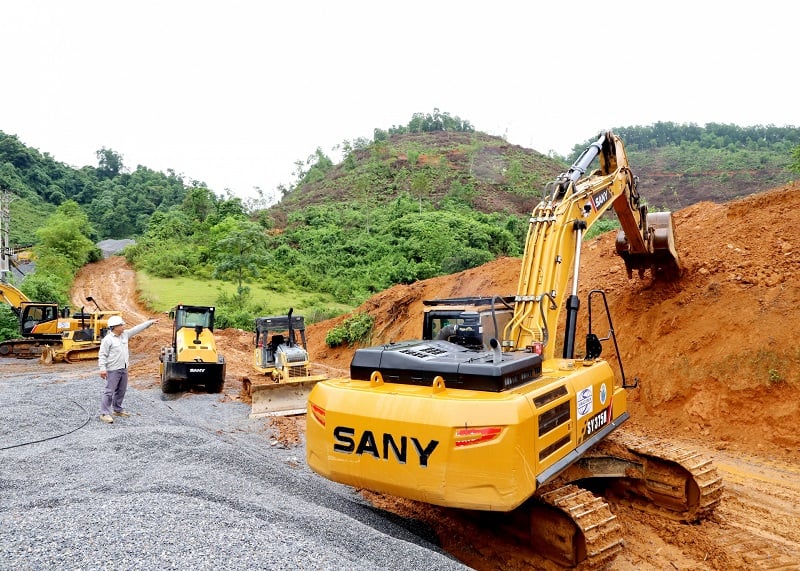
(85, 422)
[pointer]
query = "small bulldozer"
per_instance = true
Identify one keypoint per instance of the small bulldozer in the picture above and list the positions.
(281, 358)
(82, 344)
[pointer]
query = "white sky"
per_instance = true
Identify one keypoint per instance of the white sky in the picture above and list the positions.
(233, 92)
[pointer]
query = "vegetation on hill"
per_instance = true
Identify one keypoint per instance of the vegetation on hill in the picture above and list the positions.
(429, 198)
(679, 165)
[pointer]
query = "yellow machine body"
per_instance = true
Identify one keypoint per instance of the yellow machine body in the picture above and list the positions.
(461, 448)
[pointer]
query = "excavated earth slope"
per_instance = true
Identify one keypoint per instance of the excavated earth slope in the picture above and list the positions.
(716, 354)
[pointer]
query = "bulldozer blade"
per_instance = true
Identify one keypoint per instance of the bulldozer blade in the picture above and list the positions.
(280, 399)
(47, 355)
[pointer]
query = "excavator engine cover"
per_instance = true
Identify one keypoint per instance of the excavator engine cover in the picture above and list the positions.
(420, 362)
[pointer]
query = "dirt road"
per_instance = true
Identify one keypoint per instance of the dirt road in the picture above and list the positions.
(717, 355)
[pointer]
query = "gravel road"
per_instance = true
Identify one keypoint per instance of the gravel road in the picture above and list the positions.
(187, 482)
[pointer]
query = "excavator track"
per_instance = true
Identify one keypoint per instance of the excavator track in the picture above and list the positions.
(663, 478)
(23, 348)
(597, 535)
(568, 525)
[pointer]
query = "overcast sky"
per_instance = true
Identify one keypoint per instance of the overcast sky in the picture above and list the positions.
(233, 92)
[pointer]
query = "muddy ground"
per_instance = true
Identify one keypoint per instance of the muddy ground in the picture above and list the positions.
(716, 354)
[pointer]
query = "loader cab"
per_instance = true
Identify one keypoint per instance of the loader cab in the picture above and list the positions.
(192, 316)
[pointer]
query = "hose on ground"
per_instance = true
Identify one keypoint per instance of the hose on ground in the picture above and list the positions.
(85, 422)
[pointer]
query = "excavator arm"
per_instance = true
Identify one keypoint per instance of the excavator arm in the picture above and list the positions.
(574, 202)
(12, 296)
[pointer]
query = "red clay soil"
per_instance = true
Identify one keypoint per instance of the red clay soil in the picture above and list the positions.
(716, 354)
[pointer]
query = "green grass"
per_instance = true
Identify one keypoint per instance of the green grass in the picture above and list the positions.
(161, 294)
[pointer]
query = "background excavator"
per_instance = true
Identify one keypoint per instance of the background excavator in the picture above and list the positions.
(281, 358)
(43, 326)
(518, 428)
(81, 344)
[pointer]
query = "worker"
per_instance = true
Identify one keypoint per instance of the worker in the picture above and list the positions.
(113, 362)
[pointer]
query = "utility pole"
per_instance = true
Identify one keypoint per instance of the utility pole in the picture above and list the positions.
(5, 221)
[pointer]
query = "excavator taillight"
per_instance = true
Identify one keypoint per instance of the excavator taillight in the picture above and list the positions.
(319, 413)
(470, 436)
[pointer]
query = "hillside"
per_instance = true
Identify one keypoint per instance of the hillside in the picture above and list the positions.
(713, 346)
(501, 177)
(716, 356)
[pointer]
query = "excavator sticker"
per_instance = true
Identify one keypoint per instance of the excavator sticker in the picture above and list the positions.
(585, 402)
(600, 198)
(597, 422)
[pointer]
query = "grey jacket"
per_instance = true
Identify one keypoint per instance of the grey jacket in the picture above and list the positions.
(114, 348)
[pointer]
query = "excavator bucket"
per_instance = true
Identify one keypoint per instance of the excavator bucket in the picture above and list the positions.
(663, 259)
(279, 399)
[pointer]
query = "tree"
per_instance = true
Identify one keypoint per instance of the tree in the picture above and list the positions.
(109, 163)
(238, 247)
(65, 236)
(795, 166)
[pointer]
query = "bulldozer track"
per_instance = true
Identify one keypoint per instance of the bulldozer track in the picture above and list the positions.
(81, 355)
(681, 483)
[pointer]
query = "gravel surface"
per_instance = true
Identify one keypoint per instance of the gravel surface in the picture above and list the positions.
(187, 482)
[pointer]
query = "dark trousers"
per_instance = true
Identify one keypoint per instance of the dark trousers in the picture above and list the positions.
(114, 392)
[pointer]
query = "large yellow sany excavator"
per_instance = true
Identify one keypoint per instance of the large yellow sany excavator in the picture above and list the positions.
(517, 428)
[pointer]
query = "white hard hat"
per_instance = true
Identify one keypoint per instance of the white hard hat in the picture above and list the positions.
(115, 320)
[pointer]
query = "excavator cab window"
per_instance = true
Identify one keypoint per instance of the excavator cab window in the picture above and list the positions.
(32, 315)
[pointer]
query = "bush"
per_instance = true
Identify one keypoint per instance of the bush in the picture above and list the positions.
(355, 329)
(9, 325)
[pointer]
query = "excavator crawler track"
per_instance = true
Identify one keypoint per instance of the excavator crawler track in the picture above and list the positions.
(568, 525)
(679, 483)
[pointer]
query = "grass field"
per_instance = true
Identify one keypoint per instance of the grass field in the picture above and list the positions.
(161, 294)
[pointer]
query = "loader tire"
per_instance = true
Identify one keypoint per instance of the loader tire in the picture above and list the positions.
(215, 386)
(169, 386)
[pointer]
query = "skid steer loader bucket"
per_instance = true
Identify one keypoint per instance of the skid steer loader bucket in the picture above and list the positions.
(280, 399)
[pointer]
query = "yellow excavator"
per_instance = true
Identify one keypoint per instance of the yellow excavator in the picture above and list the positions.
(281, 359)
(519, 428)
(43, 326)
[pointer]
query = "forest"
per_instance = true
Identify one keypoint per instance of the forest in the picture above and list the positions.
(430, 198)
